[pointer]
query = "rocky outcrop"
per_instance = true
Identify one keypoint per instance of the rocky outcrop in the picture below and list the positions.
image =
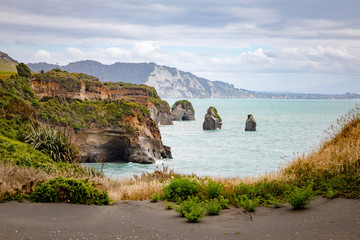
(117, 145)
(212, 120)
(250, 124)
(182, 110)
(159, 115)
(133, 137)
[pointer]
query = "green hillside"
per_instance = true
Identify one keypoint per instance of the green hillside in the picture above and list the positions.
(7, 66)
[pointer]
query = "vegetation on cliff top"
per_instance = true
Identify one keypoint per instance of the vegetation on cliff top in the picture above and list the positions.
(215, 113)
(185, 104)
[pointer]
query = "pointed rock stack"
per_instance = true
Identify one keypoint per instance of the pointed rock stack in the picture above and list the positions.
(212, 120)
(250, 124)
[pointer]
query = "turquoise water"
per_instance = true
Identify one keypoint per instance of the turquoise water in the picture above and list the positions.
(284, 128)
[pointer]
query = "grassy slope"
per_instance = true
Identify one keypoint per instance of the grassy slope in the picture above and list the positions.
(7, 66)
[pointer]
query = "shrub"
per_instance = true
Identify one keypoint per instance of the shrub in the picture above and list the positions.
(331, 193)
(155, 197)
(55, 144)
(191, 209)
(181, 188)
(23, 70)
(169, 205)
(196, 213)
(69, 190)
(213, 207)
(246, 203)
(185, 206)
(214, 189)
(224, 202)
(299, 198)
(275, 202)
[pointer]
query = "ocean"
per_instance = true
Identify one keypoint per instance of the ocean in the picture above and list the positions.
(285, 128)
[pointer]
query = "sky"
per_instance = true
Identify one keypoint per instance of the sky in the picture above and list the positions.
(279, 45)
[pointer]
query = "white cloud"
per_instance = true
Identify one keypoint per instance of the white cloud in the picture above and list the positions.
(74, 53)
(42, 55)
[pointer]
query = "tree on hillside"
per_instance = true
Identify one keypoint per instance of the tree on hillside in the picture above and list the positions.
(23, 70)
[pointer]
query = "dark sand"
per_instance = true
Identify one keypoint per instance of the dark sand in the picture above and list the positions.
(323, 219)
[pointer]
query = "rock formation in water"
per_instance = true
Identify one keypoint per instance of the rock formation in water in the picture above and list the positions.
(250, 124)
(212, 120)
(113, 122)
(182, 110)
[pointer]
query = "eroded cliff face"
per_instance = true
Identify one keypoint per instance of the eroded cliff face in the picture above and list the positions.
(137, 139)
(143, 145)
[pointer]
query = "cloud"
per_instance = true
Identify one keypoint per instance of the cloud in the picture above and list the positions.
(42, 55)
(238, 41)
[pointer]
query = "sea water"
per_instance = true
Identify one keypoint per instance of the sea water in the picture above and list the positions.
(284, 129)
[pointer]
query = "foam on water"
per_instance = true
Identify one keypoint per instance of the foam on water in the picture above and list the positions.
(284, 127)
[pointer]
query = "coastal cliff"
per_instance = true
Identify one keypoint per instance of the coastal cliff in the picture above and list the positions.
(112, 122)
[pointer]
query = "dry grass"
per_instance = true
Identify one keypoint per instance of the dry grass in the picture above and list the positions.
(339, 152)
(16, 180)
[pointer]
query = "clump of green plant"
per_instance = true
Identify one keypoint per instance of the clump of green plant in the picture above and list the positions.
(224, 202)
(23, 70)
(169, 205)
(191, 209)
(275, 202)
(196, 213)
(331, 193)
(213, 189)
(56, 144)
(181, 188)
(15, 195)
(215, 112)
(69, 190)
(248, 204)
(299, 198)
(213, 207)
(155, 197)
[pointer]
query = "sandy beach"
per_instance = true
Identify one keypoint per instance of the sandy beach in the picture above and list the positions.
(323, 219)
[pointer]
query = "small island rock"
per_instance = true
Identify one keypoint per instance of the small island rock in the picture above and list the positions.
(212, 120)
(182, 110)
(250, 124)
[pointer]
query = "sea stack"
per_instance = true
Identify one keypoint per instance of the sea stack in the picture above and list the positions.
(182, 110)
(212, 119)
(250, 124)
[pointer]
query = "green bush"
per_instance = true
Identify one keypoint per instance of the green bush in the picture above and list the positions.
(224, 202)
(191, 209)
(196, 213)
(69, 190)
(214, 189)
(248, 204)
(181, 188)
(155, 197)
(331, 193)
(23, 70)
(299, 198)
(213, 207)
(275, 202)
(169, 205)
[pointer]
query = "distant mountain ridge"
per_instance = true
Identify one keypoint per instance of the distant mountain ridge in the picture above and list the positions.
(172, 83)
(168, 82)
